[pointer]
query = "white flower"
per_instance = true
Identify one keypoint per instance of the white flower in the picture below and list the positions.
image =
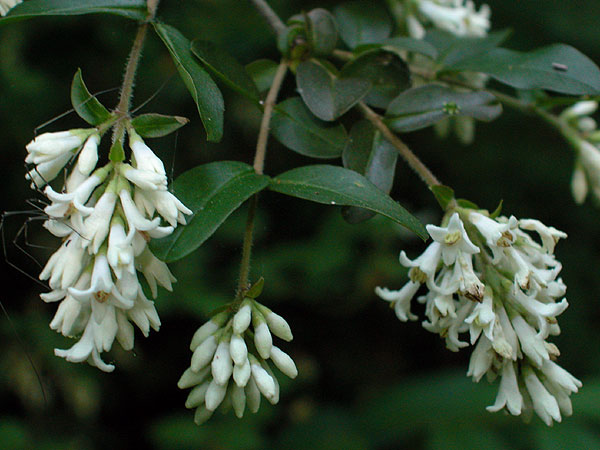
(509, 396)
(88, 157)
(7, 5)
(143, 157)
(482, 319)
(426, 263)
(120, 253)
(497, 235)
(65, 265)
(155, 271)
(454, 239)
(165, 203)
(544, 404)
(135, 219)
(97, 224)
(400, 299)
(459, 18)
(531, 343)
(144, 179)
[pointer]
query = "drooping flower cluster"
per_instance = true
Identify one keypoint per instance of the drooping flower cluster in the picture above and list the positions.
(106, 216)
(7, 5)
(586, 174)
(505, 292)
(229, 362)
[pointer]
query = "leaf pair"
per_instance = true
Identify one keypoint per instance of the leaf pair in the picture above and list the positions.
(213, 191)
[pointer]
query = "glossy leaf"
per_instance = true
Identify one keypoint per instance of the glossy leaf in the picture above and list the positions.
(132, 9)
(388, 73)
(321, 31)
(225, 67)
(85, 104)
(560, 68)
(204, 91)
(373, 156)
(212, 191)
(362, 22)
(443, 194)
(325, 95)
(295, 127)
(454, 49)
(157, 125)
(425, 105)
(262, 72)
(333, 185)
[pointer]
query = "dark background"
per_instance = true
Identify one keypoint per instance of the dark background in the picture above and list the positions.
(367, 381)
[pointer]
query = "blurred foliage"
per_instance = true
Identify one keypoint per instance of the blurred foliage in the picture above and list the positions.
(366, 380)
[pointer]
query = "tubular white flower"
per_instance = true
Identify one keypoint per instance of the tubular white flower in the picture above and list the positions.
(400, 299)
(97, 224)
(531, 344)
(167, 205)
(155, 271)
(509, 396)
(426, 263)
(120, 254)
(482, 319)
(144, 157)
(144, 179)
(65, 265)
(88, 157)
(459, 18)
(135, 219)
(454, 239)
(544, 404)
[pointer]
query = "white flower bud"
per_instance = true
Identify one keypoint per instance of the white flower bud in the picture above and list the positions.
(252, 396)
(190, 378)
(242, 318)
(88, 157)
(203, 333)
(284, 362)
(241, 373)
(579, 185)
(238, 349)
(215, 395)
(263, 340)
(197, 395)
(278, 326)
(238, 400)
(264, 381)
(203, 354)
(222, 366)
(202, 415)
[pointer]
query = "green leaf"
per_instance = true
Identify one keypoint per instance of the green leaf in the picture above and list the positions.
(455, 49)
(362, 22)
(256, 288)
(295, 127)
(425, 105)
(334, 185)
(388, 73)
(212, 191)
(157, 125)
(558, 67)
(132, 9)
(86, 105)
(443, 194)
(321, 31)
(497, 211)
(326, 96)
(262, 72)
(204, 91)
(419, 46)
(371, 155)
(225, 67)
(464, 203)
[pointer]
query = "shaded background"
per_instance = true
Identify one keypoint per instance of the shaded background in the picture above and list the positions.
(366, 380)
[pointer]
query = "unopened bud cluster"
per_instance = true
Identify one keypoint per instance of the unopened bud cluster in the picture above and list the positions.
(105, 217)
(229, 365)
(504, 291)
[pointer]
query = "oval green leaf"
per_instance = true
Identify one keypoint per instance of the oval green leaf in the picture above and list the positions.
(333, 185)
(295, 127)
(262, 72)
(132, 9)
(454, 49)
(371, 155)
(321, 31)
(204, 91)
(425, 105)
(362, 22)
(212, 191)
(85, 104)
(388, 74)
(325, 95)
(225, 67)
(157, 125)
(560, 68)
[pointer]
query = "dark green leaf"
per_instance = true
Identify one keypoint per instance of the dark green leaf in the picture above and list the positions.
(132, 9)
(295, 127)
(225, 66)
(464, 203)
(362, 22)
(212, 191)
(420, 46)
(157, 125)
(256, 288)
(326, 96)
(388, 73)
(334, 185)
(262, 72)
(321, 31)
(425, 105)
(454, 49)
(443, 194)
(559, 68)
(86, 105)
(204, 91)
(373, 156)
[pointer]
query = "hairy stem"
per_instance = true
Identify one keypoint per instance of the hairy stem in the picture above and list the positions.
(269, 15)
(259, 164)
(413, 161)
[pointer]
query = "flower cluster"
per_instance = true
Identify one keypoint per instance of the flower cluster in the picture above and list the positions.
(586, 173)
(106, 216)
(504, 292)
(7, 5)
(458, 17)
(229, 362)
